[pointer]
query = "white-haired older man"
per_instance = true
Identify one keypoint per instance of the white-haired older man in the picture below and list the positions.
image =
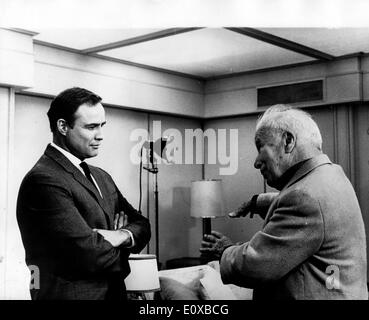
(312, 244)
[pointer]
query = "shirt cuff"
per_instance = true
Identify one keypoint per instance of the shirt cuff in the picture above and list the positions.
(132, 238)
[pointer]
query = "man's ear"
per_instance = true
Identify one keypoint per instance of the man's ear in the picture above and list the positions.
(62, 126)
(289, 140)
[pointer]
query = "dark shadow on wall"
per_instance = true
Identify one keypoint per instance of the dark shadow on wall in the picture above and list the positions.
(175, 223)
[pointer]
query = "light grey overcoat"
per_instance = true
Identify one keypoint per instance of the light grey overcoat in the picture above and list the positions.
(312, 244)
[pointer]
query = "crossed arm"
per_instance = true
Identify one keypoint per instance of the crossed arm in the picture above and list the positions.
(54, 229)
(131, 230)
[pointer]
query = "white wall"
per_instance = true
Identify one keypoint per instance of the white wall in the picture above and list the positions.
(16, 59)
(118, 84)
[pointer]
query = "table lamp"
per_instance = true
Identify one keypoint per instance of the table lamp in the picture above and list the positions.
(207, 201)
(144, 276)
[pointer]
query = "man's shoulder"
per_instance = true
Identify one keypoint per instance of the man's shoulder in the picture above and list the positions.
(300, 193)
(45, 169)
(322, 179)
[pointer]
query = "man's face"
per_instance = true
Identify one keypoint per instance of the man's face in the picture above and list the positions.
(84, 138)
(270, 158)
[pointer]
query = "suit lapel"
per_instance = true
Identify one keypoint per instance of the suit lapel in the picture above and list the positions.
(102, 201)
(80, 177)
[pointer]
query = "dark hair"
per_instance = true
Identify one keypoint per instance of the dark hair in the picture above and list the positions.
(66, 104)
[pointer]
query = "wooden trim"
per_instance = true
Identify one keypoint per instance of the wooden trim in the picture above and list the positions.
(283, 43)
(144, 38)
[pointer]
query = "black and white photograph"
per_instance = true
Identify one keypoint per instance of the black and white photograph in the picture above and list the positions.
(194, 151)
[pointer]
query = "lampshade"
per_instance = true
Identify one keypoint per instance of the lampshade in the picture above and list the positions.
(207, 199)
(144, 276)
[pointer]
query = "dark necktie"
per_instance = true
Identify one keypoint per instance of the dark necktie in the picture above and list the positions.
(87, 172)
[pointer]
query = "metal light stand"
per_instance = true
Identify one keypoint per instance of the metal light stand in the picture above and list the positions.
(154, 170)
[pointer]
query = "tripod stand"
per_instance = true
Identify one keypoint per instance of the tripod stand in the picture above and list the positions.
(157, 148)
(154, 170)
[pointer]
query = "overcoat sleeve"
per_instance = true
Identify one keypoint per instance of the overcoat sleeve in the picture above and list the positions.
(292, 233)
(263, 202)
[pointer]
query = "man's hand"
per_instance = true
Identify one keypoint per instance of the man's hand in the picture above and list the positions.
(116, 237)
(242, 211)
(214, 244)
(120, 220)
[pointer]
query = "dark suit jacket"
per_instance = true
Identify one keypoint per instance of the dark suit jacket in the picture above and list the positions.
(313, 233)
(57, 209)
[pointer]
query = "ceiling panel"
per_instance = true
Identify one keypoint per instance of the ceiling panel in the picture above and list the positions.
(210, 52)
(81, 39)
(335, 41)
(207, 53)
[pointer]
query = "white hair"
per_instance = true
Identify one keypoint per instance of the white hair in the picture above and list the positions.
(282, 117)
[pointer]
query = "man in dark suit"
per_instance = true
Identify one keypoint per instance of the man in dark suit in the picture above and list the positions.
(312, 244)
(70, 213)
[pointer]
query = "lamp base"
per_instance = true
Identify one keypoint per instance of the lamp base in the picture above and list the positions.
(206, 229)
(206, 226)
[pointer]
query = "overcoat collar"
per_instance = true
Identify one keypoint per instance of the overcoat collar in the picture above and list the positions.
(307, 167)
